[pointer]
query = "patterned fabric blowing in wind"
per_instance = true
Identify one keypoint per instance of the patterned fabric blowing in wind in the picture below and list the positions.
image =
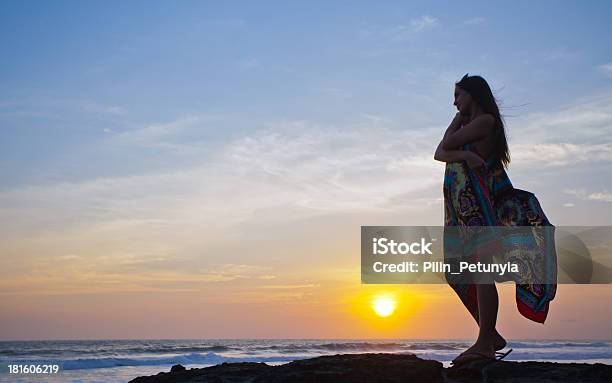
(487, 198)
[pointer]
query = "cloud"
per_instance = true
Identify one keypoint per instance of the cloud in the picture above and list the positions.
(83, 275)
(156, 134)
(328, 169)
(574, 134)
(560, 154)
(281, 176)
(601, 196)
(60, 108)
(596, 196)
(229, 272)
(401, 32)
(585, 121)
(98, 108)
(285, 171)
(376, 119)
(606, 69)
(559, 53)
(275, 178)
(291, 286)
(248, 63)
(187, 136)
(423, 23)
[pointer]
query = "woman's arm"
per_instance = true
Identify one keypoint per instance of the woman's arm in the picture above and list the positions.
(477, 129)
(472, 159)
(450, 155)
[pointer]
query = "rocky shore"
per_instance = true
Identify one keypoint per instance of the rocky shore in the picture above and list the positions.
(388, 368)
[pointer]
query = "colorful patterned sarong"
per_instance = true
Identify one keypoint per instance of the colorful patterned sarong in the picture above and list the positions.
(488, 198)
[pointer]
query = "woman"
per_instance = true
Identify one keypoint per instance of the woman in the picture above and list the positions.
(478, 192)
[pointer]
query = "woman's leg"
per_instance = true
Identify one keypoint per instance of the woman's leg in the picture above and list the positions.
(498, 341)
(488, 303)
(489, 339)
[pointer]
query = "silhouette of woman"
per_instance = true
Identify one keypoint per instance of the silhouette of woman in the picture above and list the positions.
(478, 192)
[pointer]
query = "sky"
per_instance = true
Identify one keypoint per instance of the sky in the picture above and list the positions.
(201, 170)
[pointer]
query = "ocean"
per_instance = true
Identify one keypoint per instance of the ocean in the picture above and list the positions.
(122, 360)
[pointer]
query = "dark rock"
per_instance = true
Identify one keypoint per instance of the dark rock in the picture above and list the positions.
(388, 368)
(356, 368)
(177, 368)
(530, 372)
(221, 373)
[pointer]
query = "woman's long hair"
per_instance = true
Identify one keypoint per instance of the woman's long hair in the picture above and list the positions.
(481, 93)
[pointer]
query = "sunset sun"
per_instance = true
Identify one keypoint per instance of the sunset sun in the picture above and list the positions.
(384, 305)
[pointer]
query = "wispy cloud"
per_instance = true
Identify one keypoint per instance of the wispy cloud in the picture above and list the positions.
(587, 121)
(177, 136)
(95, 107)
(401, 32)
(559, 53)
(422, 23)
(601, 196)
(594, 196)
(181, 219)
(85, 275)
(276, 177)
(53, 108)
(560, 154)
(572, 135)
(606, 69)
(292, 286)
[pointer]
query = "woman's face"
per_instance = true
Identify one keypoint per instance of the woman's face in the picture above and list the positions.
(463, 100)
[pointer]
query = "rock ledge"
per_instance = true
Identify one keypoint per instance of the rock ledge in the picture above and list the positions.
(388, 368)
